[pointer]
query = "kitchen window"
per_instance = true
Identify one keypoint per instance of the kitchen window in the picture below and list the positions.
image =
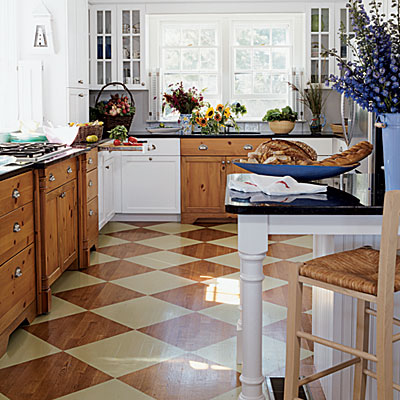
(246, 58)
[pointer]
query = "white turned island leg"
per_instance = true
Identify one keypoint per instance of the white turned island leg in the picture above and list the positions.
(253, 243)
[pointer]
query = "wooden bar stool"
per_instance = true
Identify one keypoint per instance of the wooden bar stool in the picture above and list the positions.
(368, 275)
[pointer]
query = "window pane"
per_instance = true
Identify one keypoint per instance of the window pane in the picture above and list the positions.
(108, 71)
(243, 83)
(262, 83)
(280, 58)
(209, 82)
(190, 59)
(261, 37)
(190, 80)
(171, 79)
(279, 36)
(100, 47)
(279, 84)
(314, 20)
(126, 47)
(100, 22)
(100, 75)
(243, 59)
(108, 21)
(208, 59)
(108, 47)
(171, 36)
(190, 37)
(172, 60)
(261, 59)
(325, 20)
(126, 22)
(208, 37)
(242, 36)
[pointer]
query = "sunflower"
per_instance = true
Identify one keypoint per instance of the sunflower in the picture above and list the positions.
(203, 122)
(227, 112)
(218, 117)
(219, 107)
(210, 113)
(198, 121)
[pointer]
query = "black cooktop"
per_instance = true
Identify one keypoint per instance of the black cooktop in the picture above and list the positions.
(30, 150)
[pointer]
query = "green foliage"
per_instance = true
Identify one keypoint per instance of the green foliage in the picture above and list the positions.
(119, 132)
(286, 114)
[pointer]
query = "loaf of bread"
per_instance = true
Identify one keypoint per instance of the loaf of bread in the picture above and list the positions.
(351, 156)
(279, 151)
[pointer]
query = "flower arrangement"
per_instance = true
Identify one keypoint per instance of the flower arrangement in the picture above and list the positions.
(116, 106)
(372, 79)
(211, 120)
(312, 97)
(182, 100)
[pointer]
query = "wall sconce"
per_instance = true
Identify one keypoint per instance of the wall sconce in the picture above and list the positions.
(42, 33)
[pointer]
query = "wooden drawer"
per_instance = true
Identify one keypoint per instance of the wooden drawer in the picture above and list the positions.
(16, 231)
(60, 173)
(224, 146)
(93, 219)
(18, 286)
(92, 159)
(15, 192)
(92, 185)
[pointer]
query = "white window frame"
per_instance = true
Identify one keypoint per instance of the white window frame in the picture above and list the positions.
(226, 23)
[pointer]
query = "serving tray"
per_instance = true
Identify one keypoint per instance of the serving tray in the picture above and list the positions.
(299, 172)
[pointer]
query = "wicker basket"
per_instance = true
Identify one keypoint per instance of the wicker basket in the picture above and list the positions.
(281, 127)
(111, 122)
(85, 131)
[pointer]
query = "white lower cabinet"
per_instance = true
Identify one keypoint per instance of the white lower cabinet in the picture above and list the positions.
(106, 187)
(150, 184)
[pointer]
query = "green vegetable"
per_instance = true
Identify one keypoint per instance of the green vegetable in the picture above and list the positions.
(119, 132)
(286, 114)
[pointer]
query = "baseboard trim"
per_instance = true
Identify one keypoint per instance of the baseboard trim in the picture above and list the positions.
(147, 217)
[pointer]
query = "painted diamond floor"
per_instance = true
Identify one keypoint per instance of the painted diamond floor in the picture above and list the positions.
(154, 317)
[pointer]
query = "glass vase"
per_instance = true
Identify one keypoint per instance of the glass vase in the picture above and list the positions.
(318, 121)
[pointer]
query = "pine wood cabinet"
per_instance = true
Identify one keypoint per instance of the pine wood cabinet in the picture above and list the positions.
(58, 223)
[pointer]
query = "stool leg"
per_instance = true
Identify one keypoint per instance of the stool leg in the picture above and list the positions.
(362, 341)
(292, 341)
(384, 349)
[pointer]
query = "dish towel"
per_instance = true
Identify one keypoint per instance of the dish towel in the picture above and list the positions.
(275, 186)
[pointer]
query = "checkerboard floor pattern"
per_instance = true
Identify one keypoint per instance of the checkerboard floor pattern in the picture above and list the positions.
(154, 317)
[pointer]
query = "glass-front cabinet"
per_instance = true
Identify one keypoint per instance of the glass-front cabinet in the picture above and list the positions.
(320, 37)
(117, 46)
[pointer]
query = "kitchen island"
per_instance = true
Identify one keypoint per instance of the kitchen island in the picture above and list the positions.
(339, 220)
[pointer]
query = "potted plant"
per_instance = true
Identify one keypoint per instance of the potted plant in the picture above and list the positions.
(214, 121)
(281, 121)
(183, 101)
(372, 78)
(119, 134)
(313, 98)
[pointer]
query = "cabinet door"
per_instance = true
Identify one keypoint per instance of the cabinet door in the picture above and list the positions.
(103, 54)
(152, 184)
(320, 34)
(130, 28)
(108, 189)
(78, 48)
(78, 105)
(67, 221)
(203, 184)
(100, 171)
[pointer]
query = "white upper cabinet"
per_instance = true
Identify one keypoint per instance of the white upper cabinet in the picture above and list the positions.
(78, 48)
(320, 36)
(117, 45)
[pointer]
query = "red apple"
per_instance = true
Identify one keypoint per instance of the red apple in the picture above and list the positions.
(117, 142)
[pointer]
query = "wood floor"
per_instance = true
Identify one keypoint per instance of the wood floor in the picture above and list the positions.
(154, 317)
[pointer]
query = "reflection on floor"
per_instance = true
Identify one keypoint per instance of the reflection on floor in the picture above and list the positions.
(154, 317)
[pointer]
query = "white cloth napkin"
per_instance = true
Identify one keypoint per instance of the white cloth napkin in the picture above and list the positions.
(275, 186)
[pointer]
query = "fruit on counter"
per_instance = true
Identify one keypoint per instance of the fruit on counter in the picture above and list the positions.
(117, 142)
(132, 139)
(92, 123)
(127, 144)
(92, 138)
(162, 125)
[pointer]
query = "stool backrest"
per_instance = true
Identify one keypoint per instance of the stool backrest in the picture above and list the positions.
(389, 244)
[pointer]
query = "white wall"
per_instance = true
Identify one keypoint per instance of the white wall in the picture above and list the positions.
(8, 66)
(54, 65)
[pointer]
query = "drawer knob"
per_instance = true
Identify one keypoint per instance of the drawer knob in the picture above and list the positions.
(203, 147)
(247, 147)
(91, 212)
(222, 162)
(17, 227)
(16, 194)
(18, 272)
(62, 195)
(69, 170)
(153, 147)
(90, 161)
(107, 167)
(150, 159)
(81, 95)
(80, 81)
(90, 183)
(228, 162)
(52, 178)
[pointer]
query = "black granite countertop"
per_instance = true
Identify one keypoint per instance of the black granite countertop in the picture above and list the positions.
(70, 153)
(353, 197)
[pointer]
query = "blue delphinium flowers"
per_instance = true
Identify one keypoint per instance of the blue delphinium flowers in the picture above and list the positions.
(372, 78)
